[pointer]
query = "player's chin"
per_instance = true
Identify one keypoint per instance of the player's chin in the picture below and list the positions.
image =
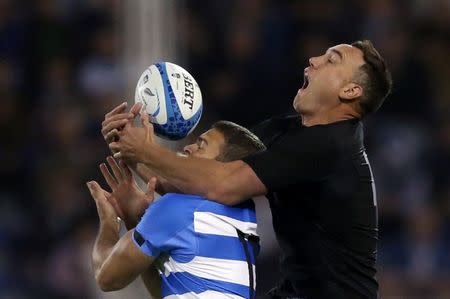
(296, 102)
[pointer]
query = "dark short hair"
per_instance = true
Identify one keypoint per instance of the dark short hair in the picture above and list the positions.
(373, 76)
(239, 142)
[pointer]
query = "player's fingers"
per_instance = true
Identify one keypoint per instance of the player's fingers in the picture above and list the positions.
(112, 183)
(126, 115)
(117, 155)
(115, 118)
(117, 109)
(129, 124)
(95, 190)
(115, 168)
(112, 135)
(128, 175)
(117, 124)
(135, 109)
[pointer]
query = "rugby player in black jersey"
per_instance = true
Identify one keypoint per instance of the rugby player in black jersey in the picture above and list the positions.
(315, 173)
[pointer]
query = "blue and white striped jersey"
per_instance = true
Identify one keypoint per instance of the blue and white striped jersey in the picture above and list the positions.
(196, 240)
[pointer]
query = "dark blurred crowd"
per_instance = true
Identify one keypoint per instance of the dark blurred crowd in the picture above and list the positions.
(60, 71)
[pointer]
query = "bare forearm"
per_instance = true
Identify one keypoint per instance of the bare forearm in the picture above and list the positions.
(189, 175)
(226, 182)
(106, 239)
(122, 265)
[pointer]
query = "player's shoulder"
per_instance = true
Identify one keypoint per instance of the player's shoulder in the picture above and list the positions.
(345, 135)
(175, 203)
(170, 213)
(281, 121)
(334, 134)
(269, 129)
(340, 127)
(244, 211)
(175, 211)
(170, 198)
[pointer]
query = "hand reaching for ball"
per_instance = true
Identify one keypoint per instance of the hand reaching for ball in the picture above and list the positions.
(132, 142)
(116, 119)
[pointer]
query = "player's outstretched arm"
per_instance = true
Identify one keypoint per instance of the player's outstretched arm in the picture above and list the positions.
(123, 264)
(116, 262)
(228, 183)
(114, 121)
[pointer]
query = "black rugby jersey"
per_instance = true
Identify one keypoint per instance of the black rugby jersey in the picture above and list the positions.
(322, 197)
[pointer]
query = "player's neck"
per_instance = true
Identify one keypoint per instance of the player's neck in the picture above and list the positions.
(329, 117)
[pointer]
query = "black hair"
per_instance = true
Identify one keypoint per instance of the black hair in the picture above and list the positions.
(239, 141)
(374, 77)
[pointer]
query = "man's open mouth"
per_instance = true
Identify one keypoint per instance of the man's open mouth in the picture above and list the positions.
(305, 81)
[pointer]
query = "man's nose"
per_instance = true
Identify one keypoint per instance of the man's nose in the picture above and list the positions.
(314, 62)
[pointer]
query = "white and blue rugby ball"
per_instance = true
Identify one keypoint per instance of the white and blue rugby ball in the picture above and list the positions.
(172, 98)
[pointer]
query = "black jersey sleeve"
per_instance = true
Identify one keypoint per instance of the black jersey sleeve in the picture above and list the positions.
(295, 157)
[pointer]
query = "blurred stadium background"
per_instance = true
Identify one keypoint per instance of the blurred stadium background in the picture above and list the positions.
(64, 63)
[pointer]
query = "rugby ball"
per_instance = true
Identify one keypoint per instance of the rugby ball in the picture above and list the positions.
(172, 99)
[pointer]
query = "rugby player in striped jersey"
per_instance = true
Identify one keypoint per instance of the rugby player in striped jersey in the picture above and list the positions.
(202, 249)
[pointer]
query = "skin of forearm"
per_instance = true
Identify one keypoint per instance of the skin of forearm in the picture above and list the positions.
(190, 175)
(107, 237)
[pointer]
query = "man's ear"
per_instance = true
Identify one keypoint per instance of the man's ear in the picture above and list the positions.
(350, 92)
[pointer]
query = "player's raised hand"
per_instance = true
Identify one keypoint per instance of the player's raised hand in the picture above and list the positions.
(128, 200)
(106, 212)
(117, 118)
(134, 141)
